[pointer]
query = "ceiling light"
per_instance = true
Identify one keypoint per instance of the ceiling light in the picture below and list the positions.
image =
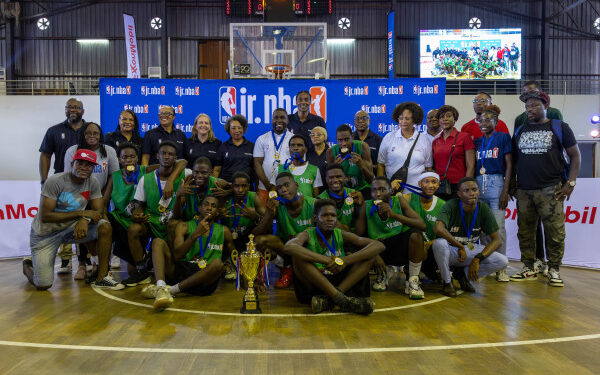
(92, 41)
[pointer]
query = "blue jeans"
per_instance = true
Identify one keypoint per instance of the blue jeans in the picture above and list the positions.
(44, 249)
(446, 256)
(490, 188)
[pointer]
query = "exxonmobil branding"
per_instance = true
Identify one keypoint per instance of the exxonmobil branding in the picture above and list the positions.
(572, 216)
(17, 212)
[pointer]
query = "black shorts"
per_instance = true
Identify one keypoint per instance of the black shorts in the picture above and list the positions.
(396, 248)
(120, 241)
(182, 271)
(305, 292)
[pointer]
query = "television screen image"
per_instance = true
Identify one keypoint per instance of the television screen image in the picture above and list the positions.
(471, 54)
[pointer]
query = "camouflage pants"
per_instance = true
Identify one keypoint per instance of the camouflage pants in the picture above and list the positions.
(535, 205)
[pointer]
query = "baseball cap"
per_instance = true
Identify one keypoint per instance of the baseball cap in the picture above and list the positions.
(87, 155)
(536, 94)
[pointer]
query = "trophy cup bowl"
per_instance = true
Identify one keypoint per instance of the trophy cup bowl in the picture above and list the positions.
(249, 268)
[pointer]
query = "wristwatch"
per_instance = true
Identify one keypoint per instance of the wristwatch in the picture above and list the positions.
(571, 183)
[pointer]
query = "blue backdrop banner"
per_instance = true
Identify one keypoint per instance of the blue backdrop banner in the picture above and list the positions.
(335, 100)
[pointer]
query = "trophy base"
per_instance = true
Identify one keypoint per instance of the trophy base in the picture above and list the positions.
(251, 307)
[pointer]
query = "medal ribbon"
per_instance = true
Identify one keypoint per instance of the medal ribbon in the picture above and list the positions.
(278, 145)
(158, 183)
(375, 207)
(296, 156)
(330, 247)
(333, 195)
(134, 177)
(462, 216)
(484, 152)
(203, 248)
(286, 201)
(414, 189)
(237, 218)
(349, 154)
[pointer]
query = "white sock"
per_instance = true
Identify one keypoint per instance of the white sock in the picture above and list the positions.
(160, 283)
(94, 259)
(414, 269)
(278, 261)
(174, 289)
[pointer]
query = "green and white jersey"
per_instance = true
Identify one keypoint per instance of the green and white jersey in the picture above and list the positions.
(429, 216)
(288, 227)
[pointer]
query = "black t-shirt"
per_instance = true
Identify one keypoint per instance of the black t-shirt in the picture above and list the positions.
(539, 155)
(57, 140)
(374, 141)
(320, 161)
(193, 149)
(304, 128)
(234, 158)
(154, 137)
(114, 139)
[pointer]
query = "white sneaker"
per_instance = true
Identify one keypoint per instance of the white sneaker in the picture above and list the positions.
(540, 267)
(502, 276)
(413, 288)
(68, 269)
(115, 262)
(554, 278)
(381, 283)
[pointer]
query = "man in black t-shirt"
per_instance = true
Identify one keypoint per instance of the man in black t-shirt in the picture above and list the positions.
(302, 122)
(544, 180)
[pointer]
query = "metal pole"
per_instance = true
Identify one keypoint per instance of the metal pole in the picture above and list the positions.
(164, 45)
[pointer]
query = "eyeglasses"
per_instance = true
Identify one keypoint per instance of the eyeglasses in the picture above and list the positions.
(166, 114)
(362, 118)
(73, 107)
(480, 101)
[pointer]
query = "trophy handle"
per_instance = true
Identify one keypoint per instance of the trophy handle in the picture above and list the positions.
(234, 256)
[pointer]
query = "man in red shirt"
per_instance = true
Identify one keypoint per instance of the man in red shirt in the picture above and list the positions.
(481, 101)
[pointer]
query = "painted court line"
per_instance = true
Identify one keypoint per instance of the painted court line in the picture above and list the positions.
(218, 313)
(299, 351)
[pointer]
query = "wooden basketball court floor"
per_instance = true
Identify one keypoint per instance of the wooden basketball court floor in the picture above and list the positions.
(510, 328)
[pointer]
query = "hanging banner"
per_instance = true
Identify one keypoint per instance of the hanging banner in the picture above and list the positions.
(390, 44)
(133, 63)
(335, 100)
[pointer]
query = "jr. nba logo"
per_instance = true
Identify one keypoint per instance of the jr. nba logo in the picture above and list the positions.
(227, 103)
(318, 104)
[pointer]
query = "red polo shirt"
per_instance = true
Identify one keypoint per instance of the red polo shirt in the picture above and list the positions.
(441, 153)
(472, 128)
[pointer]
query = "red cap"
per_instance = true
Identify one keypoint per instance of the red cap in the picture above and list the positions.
(87, 155)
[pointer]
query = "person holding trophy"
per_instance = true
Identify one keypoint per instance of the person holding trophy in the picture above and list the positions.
(194, 264)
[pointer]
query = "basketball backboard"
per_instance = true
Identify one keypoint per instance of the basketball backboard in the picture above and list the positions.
(298, 48)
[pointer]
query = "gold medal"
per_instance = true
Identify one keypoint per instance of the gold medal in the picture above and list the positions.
(339, 261)
(131, 168)
(349, 201)
(277, 156)
(196, 217)
(344, 150)
(272, 194)
(377, 202)
(202, 264)
(161, 208)
(234, 235)
(482, 171)
(292, 167)
(470, 246)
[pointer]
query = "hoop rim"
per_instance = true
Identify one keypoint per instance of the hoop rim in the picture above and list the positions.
(272, 68)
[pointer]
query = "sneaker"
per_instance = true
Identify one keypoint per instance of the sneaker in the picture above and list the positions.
(81, 272)
(285, 278)
(381, 283)
(465, 284)
(448, 290)
(115, 262)
(66, 267)
(321, 303)
(412, 287)
(163, 298)
(91, 276)
(138, 278)
(502, 276)
(108, 283)
(149, 291)
(525, 274)
(230, 271)
(357, 305)
(554, 278)
(540, 267)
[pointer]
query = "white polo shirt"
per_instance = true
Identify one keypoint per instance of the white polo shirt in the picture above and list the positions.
(265, 148)
(394, 151)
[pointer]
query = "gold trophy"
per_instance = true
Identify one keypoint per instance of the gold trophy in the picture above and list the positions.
(249, 268)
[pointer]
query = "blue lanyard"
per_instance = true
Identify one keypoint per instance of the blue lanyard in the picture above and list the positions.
(330, 247)
(286, 201)
(462, 216)
(349, 154)
(134, 177)
(333, 195)
(484, 152)
(414, 189)
(204, 248)
(278, 145)
(296, 156)
(237, 218)
(158, 183)
(375, 207)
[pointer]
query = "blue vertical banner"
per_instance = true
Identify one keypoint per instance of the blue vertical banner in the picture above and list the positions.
(390, 44)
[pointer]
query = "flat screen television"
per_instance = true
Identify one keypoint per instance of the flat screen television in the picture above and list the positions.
(471, 53)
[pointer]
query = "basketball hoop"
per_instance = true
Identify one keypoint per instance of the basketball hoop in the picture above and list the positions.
(278, 71)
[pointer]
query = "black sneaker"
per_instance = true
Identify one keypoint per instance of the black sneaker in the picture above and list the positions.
(465, 284)
(321, 303)
(108, 283)
(138, 278)
(357, 305)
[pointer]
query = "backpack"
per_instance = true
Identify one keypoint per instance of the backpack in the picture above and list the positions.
(557, 130)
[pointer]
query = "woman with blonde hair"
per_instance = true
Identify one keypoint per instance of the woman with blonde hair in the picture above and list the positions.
(202, 142)
(316, 154)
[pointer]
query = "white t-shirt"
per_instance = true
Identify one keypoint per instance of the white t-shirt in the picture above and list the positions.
(106, 165)
(298, 171)
(394, 151)
(265, 148)
(140, 192)
(431, 137)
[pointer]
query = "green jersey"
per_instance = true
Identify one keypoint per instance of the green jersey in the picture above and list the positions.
(379, 229)
(122, 194)
(212, 250)
(306, 180)
(193, 201)
(288, 227)
(346, 213)
(429, 216)
(153, 197)
(355, 176)
(243, 224)
(451, 217)
(336, 241)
